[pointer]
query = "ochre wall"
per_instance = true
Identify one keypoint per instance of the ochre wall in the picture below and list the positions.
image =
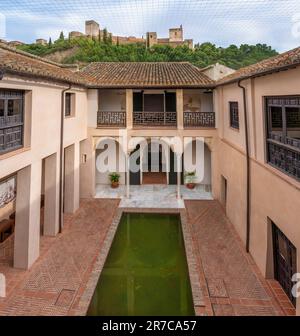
(274, 195)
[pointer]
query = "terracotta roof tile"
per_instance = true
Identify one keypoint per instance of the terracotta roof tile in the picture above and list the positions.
(287, 59)
(147, 74)
(20, 62)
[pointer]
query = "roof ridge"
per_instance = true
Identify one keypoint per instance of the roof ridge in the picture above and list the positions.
(27, 54)
(137, 62)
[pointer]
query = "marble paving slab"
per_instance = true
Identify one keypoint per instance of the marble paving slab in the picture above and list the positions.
(153, 196)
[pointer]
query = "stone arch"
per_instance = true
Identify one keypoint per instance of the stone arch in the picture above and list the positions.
(117, 154)
(207, 176)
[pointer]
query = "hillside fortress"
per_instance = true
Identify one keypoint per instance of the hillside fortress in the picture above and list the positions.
(93, 30)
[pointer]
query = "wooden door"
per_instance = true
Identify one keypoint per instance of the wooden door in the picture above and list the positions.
(284, 261)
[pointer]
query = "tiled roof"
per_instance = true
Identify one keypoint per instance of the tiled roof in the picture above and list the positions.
(22, 63)
(288, 59)
(146, 74)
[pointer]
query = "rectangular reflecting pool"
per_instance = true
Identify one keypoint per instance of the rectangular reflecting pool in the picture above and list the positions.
(146, 270)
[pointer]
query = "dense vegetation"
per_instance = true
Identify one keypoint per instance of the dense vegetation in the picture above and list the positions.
(88, 50)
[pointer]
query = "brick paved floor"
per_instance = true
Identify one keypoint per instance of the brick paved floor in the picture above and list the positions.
(51, 286)
(232, 283)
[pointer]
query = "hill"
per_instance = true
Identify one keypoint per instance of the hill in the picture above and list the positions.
(83, 50)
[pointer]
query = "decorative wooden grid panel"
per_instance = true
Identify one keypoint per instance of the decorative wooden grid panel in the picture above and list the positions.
(11, 126)
(234, 115)
(11, 138)
(199, 119)
(111, 118)
(155, 118)
(284, 158)
(280, 101)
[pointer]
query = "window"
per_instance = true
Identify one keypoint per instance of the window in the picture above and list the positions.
(234, 115)
(276, 116)
(137, 101)
(153, 102)
(292, 117)
(2, 101)
(283, 134)
(170, 101)
(11, 120)
(69, 104)
(14, 107)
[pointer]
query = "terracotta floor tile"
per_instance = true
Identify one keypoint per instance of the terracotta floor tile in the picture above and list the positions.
(226, 265)
(230, 280)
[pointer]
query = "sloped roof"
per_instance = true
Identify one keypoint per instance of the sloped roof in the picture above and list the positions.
(22, 63)
(135, 74)
(280, 62)
(147, 74)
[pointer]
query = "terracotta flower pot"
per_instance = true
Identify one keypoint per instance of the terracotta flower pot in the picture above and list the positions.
(114, 185)
(190, 185)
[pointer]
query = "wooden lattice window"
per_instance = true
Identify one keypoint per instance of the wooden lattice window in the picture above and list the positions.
(11, 120)
(234, 115)
(69, 104)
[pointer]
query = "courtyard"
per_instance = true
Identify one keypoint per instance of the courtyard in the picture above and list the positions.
(230, 282)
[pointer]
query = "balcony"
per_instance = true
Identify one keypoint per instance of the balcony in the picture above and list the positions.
(11, 120)
(199, 119)
(157, 119)
(284, 154)
(283, 140)
(113, 119)
(11, 133)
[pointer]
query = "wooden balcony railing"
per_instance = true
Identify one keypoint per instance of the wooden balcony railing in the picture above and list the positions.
(115, 119)
(11, 133)
(285, 157)
(199, 119)
(285, 140)
(155, 119)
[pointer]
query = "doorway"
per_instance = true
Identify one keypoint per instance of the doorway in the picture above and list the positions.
(134, 167)
(285, 263)
(223, 191)
(154, 165)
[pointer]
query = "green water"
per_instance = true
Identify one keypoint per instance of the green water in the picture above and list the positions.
(146, 270)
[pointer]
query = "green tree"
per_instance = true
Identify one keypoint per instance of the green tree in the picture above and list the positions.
(61, 36)
(93, 50)
(105, 35)
(109, 38)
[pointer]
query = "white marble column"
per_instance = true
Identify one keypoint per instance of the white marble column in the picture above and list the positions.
(128, 175)
(178, 158)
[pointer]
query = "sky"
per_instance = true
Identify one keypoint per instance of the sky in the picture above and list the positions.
(222, 22)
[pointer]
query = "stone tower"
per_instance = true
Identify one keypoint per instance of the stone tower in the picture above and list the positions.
(176, 34)
(92, 28)
(151, 39)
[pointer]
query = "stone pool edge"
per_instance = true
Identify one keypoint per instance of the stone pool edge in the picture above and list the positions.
(86, 297)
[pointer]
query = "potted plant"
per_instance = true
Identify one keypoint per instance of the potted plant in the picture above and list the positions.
(189, 179)
(114, 179)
